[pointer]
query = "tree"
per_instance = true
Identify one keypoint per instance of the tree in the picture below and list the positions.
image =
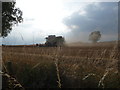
(95, 36)
(10, 16)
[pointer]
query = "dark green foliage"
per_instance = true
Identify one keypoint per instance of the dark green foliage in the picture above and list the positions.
(10, 16)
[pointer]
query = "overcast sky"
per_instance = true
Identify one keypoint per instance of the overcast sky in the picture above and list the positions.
(72, 19)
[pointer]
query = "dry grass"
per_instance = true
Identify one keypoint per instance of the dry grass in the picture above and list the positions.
(69, 67)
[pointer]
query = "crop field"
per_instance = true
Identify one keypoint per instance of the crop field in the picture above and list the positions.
(63, 67)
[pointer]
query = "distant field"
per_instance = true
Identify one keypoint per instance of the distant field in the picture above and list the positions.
(94, 66)
(104, 44)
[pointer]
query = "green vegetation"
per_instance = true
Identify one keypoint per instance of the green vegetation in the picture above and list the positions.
(10, 17)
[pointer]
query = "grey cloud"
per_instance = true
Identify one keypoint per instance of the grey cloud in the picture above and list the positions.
(102, 15)
(7, 0)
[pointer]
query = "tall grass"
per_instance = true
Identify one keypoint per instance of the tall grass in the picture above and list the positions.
(65, 67)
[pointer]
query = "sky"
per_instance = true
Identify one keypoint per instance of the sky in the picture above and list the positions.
(72, 19)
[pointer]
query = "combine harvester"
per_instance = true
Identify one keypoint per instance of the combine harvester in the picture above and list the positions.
(53, 41)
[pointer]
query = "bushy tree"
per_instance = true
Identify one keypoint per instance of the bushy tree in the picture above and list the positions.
(10, 16)
(95, 36)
